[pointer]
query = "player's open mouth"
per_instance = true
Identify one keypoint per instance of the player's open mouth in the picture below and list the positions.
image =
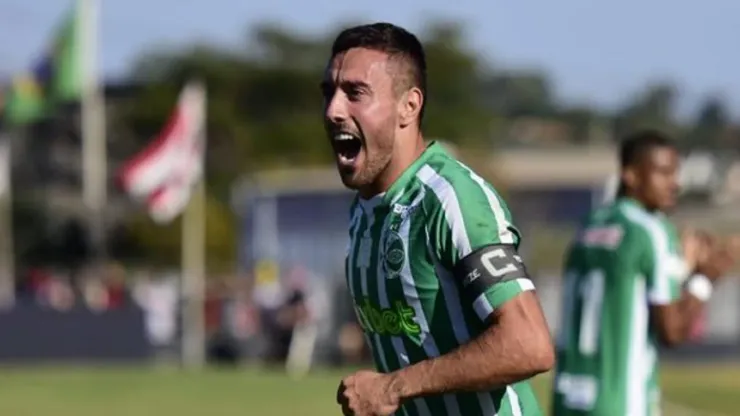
(347, 147)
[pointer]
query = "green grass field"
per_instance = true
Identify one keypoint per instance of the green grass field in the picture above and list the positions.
(708, 390)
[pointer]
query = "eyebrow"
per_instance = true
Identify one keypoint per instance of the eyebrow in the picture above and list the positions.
(324, 85)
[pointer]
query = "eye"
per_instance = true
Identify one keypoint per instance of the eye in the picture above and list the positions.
(354, 93)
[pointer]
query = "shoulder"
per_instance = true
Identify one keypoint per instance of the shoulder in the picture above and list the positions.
(451, 183)
(642, 226)
(459, 199)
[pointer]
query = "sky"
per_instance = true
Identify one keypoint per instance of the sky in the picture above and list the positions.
(596, 52)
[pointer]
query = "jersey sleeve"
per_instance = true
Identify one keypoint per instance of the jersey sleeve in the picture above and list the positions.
(467, 215)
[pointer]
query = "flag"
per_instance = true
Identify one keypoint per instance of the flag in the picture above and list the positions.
(56, 77)
(65, 59)
(162, 174)
(25, 101)
(167, 202)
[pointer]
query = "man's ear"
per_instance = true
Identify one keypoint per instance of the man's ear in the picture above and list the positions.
(630, 177)
(410, 106)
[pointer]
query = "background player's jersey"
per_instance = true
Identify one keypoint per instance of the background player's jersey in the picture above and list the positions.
(624, 259)
(403, 246)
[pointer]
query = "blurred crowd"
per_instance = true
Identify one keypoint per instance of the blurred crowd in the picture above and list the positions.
(60, 290)
(243, 320)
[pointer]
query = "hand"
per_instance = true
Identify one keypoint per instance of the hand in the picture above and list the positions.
(695, 247)
(722, 257)
(368, 393)
(733, 244)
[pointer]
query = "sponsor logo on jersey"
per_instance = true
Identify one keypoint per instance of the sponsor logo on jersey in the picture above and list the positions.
(396, 320)
(607, 237)
(404, 211)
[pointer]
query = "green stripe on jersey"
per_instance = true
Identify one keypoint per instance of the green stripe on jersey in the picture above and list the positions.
(403, 245)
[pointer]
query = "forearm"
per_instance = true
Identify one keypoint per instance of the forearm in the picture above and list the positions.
(685, 312)
(689, 308)
(505, 353)
(472, 367)
(677, 319)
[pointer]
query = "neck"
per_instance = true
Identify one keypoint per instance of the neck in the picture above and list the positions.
(631, 195)
(406, 152)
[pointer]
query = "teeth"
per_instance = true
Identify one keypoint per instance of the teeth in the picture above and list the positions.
(343, 136)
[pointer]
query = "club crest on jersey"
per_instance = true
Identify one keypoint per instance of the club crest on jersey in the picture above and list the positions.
(394, 255)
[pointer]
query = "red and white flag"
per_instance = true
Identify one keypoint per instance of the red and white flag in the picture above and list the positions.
(162, 175)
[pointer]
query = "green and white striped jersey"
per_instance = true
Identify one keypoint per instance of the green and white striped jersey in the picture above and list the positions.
(623, 260)
(403, 245)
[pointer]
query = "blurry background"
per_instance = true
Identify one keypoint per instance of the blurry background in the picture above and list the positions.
(533, 97)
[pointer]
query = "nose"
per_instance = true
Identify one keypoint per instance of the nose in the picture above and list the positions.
(674, 186)
(675, 181)
(336, 108)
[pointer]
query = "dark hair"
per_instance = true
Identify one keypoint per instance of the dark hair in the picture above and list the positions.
(634, 147)
(396, 42)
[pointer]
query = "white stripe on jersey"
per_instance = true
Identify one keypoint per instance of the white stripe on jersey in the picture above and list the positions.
(483, 308)
(504, 233)
(661, 292)
(451, 205)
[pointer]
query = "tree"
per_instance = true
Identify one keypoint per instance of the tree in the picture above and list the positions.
(455, 109)
(711, 121)
(519, 93)
(161, 244)
(654, 108)
(584, 122)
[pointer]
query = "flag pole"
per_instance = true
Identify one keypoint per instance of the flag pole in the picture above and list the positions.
(193, 245)
(94, 152)
(7, 260)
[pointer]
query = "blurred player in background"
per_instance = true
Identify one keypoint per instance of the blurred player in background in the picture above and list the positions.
(630, 283)
(451, 316)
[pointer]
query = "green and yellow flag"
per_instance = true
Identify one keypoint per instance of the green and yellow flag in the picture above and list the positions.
(57, 77)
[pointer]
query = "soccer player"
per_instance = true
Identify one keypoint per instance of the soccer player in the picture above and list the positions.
(630, 283)
(451, 317)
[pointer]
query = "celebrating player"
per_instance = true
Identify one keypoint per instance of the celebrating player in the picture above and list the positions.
(630, 282)
(444, 299)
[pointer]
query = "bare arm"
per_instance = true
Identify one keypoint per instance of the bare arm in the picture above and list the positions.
(674, 320)
(515, 347)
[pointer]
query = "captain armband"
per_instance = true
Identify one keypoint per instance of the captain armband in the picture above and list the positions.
(488, 266)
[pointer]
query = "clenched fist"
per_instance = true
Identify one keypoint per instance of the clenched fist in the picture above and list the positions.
(723, 255)
(368, 393)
